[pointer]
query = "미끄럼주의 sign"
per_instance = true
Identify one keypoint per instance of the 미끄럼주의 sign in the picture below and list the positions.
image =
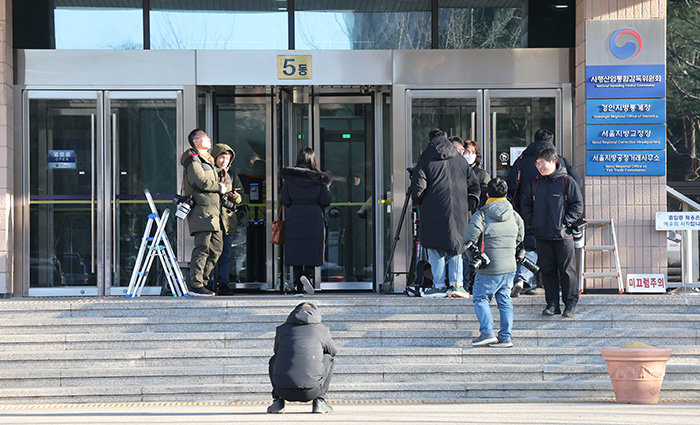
(645, 283)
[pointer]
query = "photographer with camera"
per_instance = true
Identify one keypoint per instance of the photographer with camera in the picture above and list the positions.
(446, 191)
(203, 191)
(502, 230)
(223, 157)
(551, 205)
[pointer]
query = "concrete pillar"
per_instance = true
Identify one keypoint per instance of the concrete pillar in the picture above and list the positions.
(630, 201)
(6, 149)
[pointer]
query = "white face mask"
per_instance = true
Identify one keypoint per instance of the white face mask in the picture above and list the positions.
(470, 157)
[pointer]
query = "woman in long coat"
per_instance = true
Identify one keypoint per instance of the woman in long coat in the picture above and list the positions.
(304, 195)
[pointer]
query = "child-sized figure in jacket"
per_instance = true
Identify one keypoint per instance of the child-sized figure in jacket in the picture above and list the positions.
(502, 230)
(302, 364)
(550, 205)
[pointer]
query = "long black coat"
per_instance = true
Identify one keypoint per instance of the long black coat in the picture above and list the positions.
(446, 190)
(300, 344)
(304, 195)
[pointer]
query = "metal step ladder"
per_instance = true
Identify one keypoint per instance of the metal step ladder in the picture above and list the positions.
(601, 222)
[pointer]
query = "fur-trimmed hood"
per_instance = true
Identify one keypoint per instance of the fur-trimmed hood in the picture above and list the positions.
(307, 173)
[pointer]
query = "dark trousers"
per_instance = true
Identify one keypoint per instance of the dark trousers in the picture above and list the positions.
(558, 269)
(221, 272)
(298, 271)
(207, 248)
(305, 394)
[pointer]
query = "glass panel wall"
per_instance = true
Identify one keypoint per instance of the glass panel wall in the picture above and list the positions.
(144, 138)
(347, 148)
(113, 24)
(462, 26)
(360, 25)
(241, 124)
(242, 25)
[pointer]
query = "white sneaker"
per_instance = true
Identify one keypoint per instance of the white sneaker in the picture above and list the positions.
(308, 288)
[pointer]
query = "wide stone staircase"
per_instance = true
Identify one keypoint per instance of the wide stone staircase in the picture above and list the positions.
(391, 348)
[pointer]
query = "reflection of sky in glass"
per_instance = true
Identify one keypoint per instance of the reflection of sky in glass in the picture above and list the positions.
(218, 30)
(78, 28)
(323, 30)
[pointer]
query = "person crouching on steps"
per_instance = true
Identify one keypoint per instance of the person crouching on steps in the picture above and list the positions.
(502, 230)
(302, 365)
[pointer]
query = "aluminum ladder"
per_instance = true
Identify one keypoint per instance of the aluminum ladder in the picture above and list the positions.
(156, 246)
(583, 274)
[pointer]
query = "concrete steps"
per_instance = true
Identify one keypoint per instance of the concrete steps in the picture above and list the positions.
(391, 347)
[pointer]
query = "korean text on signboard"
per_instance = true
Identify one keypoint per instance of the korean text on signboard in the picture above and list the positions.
(295, 67)
(61, 159)
(629, 136)
(645, 283)
(681, 220)
(625, 81)
(626, 111)
(625, 163)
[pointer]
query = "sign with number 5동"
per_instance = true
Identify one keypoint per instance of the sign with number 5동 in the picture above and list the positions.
(296, 67)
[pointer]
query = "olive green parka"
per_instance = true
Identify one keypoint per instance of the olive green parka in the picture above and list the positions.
(229, 221)
(201, 182)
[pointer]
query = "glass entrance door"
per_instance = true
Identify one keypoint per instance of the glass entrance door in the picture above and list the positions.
(344, 141)
(142, 138)
(513, 118)
(88, 157)
(64, 211)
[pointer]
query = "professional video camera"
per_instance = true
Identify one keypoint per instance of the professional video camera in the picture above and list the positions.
(520, 258)
(479, 259)
(577, 228)
(184, 205)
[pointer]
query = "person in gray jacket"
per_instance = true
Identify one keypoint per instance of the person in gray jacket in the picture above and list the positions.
(502, 230)
(302, 364)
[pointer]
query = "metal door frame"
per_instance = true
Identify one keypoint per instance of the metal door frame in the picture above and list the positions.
(103, 173)
(111, 169)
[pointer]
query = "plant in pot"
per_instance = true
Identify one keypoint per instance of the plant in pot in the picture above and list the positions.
(637, 371)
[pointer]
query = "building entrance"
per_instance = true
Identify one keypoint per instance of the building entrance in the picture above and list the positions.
(266, 128)
(88, 155)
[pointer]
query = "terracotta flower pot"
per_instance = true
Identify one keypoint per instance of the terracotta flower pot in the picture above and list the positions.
(636, 373)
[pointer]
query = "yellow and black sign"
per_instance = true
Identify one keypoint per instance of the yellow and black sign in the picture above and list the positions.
(296, 67)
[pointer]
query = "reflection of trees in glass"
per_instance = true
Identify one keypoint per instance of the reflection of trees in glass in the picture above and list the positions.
(188, 30)
(480, 28)
(683, 97)
(389, 30)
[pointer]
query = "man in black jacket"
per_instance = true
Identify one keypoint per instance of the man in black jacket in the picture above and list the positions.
(446, 191)
(522, 174)
(302, 364)
(549, 206)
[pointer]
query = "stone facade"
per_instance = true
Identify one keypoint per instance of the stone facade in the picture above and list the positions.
(6, 149)
(630, 201)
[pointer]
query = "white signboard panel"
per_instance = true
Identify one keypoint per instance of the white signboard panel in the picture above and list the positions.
(651, 283)
(681, 220)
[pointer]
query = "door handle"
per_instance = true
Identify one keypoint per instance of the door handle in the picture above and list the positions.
(92, 193)
(494, 144)
(115, 181)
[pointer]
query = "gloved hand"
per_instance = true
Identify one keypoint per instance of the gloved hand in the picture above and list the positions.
(236, 197)
(222, 188)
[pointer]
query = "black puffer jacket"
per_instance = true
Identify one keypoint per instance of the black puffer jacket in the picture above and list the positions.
(525, 167)
(304, 194)
(300, 344)
(551, 203)
(446, 190)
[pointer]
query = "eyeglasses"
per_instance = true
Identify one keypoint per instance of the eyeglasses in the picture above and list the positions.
(540, 164)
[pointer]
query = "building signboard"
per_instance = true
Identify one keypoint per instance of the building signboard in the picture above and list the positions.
(293, 67)
(651, 283)
(626, 111)
(630, 136)
(626, 163)
(625, 81)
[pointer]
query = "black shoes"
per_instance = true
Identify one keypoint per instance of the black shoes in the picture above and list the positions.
(551, 311)
(321, 406)
(224, 289)
(569, 312)
(201, 291)
(277, 406)
(517, 288)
